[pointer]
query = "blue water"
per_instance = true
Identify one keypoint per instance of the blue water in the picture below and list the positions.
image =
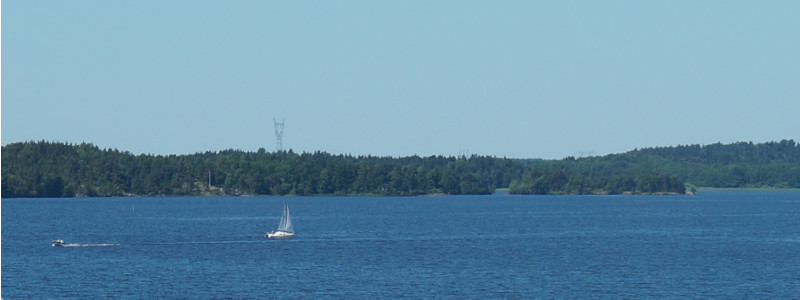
(721, 244)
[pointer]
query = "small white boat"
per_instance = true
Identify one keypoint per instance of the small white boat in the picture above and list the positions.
(285, 228)
(279, 234)
(58, 243)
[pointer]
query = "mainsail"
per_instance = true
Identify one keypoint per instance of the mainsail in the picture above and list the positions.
(286, 220)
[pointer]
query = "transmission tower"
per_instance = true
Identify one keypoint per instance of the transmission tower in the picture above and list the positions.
(278, 134)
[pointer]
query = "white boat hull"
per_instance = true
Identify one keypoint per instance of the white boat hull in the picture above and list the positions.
(279, 234)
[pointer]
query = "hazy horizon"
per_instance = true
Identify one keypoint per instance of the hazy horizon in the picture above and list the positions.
(577, 155)
(505, 79)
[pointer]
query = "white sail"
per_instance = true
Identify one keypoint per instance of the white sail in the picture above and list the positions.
(286, 221)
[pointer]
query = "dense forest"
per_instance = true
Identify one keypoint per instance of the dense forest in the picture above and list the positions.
(49, 169)
(43, 169)
(663, 169)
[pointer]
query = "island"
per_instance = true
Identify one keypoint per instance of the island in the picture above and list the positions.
(53, 169)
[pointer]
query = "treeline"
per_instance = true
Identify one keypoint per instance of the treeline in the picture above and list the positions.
(48, 169)
(665, 169)
(44, 169)
(558, 182)
(737, 165)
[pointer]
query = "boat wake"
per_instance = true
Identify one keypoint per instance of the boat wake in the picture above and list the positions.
(203, 243)
(60, 243)
(89, 245)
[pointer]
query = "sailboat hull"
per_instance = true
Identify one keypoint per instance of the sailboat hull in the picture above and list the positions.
(279, 234)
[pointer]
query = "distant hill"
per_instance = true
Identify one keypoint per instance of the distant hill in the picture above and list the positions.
(737, 165)
(658, 170)
(50, 169)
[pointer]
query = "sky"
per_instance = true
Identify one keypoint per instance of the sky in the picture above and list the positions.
(517, 79)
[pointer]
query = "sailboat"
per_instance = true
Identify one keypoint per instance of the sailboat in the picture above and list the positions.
(285, 228)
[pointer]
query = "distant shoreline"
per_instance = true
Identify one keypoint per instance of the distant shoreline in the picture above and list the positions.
(54, 170)
(503, 191)
(705, 189)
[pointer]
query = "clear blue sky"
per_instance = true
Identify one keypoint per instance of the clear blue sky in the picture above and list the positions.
(523, 79)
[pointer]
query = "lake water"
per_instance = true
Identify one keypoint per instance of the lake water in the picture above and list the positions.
(720, 244)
